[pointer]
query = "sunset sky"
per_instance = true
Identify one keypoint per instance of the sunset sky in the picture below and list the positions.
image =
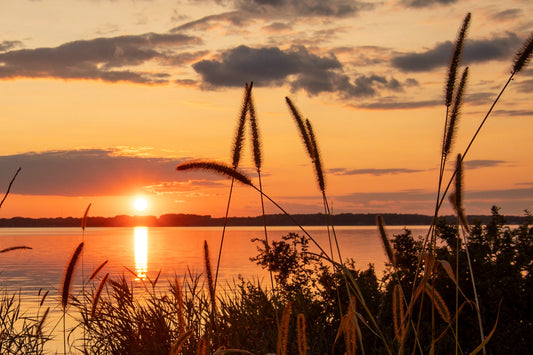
(101, 99)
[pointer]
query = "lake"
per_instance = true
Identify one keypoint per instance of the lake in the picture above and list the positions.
(143, 252)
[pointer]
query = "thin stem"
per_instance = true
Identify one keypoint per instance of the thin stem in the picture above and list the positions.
(478, 311)
(9, 187)
(223, 233)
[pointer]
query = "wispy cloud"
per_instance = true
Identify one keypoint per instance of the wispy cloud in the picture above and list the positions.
(476, 202)
(99, 172)
(397, 104)
(303, 8)
(376, 172)
(483, 163)
(496, 48)
(107, 59)
(426, 3)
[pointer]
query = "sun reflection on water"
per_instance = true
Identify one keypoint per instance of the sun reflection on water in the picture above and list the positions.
(141, 252)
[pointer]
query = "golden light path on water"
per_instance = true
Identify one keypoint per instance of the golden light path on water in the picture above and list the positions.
(141, 252)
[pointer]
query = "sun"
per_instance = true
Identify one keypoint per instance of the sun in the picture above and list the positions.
(140, 204)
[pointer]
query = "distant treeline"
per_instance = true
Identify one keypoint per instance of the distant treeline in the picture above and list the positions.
(193, 220)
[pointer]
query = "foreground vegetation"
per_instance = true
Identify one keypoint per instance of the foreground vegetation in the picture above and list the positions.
(303, 311)
(460, 289)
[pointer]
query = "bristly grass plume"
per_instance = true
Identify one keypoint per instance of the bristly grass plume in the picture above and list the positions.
(455, 61)
(523, 56)
(217, 167)
(454, 116)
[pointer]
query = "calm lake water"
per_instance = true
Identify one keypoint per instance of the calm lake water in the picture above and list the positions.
(146, 251)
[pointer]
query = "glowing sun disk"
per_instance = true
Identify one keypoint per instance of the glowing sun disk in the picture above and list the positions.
(140, 204)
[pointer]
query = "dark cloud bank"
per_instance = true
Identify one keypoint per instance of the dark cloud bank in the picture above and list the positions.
(497, 48)
(95, 172)
(272, 66)
(99, 59)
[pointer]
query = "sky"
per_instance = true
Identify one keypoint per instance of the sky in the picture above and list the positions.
(100, 100)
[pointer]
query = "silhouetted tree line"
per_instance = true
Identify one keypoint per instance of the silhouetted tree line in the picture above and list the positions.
(187, 220)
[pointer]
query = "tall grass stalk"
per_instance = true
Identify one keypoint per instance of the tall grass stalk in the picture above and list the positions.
(65, 289)
(310, 143)
(237, 148)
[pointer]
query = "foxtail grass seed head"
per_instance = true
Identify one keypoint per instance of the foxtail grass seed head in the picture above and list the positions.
(386, 243)
(96, 297)
(217, 167)
(398, 312)
(301, 127)
(316, 157)
(459, 181)
(523, 56)
(438, 302)
(97, 270)
(84, 219)
(454, 116)
(209, 274)
(455, 60)
(302, 338)
(178, 295)
(21, 247)
(456, 198)
(256, 141)
(239, 135)
(68, 276)
(283, 331)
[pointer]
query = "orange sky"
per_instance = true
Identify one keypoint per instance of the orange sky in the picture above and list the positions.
(100, 100)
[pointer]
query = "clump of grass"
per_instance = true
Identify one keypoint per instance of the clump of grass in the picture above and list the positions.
(20, 333)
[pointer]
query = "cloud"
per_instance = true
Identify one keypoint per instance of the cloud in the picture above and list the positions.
(525, 86)
(480, 201)
(496, 48)
(7, 45)
(303, 8)
(99, 59)
(426, 3)
(481, 163)
(302, 70)
(98, 172)
(376, 172)
(398, 105)
(514, 113)
(508, 14)
(232, 18)
(244, 12)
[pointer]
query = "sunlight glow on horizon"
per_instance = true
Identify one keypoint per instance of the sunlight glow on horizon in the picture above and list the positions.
(140, 204)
